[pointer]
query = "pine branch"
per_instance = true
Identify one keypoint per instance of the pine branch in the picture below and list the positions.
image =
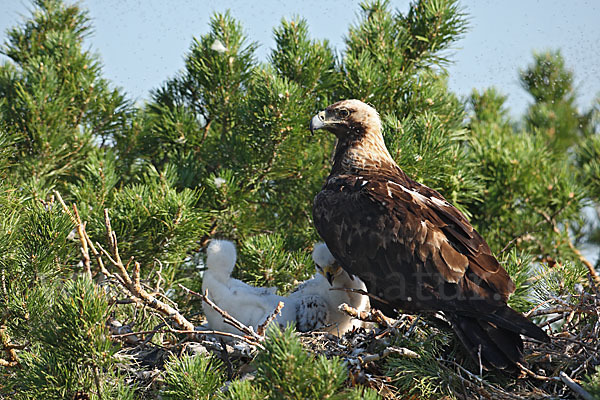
(581, 257)
(133, 286)
(97, 381)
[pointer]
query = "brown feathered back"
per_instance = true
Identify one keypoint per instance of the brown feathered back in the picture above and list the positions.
(410, 246)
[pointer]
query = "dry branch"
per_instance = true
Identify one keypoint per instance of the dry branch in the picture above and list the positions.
(400, 351)
(133, 286)
(262, 327)
(575, 387)
(118, 330)
(195, 332)
(80, 227)
(246, 330)
(86, 242)
(226, 334)
(367, 316)
(533, 374)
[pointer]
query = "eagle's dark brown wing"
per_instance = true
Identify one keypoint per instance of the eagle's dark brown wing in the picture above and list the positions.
(419, 253)
(385, 228)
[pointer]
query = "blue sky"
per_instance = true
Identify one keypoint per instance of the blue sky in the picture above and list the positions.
(143, 42)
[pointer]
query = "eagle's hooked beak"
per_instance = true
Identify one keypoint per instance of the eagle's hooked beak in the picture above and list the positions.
(317, 122)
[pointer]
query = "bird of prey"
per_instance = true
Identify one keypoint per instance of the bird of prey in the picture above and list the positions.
(311, 306)
(414, 251)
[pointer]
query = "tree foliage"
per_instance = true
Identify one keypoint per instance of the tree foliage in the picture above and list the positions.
(286, 371)
(222, 149)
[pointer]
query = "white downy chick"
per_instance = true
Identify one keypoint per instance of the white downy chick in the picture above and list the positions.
(248, 304)
(330, 275)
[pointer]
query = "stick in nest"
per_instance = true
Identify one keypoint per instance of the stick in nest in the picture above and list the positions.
(366, 316)
(189, 333)
(533, 374)
(262, 327)
(400, 351)
(575, 387)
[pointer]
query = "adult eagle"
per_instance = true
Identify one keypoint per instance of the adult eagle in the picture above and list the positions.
(413, 250)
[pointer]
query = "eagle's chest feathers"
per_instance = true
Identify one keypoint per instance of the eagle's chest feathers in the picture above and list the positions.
(376, 201)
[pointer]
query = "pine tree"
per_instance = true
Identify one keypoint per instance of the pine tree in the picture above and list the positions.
(553, 114)
(588, 164)
(53, 98)
(222, 149)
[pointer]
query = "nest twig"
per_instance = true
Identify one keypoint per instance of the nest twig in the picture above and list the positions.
(575, 387)
(263, 327)
(372, 315)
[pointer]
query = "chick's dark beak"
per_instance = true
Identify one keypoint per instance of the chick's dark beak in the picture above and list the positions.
(329, 277)
(317, 122)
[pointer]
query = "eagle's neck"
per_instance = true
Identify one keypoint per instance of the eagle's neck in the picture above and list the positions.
(361, 153)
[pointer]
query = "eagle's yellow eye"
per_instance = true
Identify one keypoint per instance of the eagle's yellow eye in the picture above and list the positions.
(343, 113)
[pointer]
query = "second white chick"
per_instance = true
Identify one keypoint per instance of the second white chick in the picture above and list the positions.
(330, 275)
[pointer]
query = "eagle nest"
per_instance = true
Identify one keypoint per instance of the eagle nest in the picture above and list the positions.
(420, 355)
(417, 356)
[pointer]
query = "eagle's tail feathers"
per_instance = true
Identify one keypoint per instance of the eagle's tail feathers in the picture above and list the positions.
(514, 321)
(495, 347)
